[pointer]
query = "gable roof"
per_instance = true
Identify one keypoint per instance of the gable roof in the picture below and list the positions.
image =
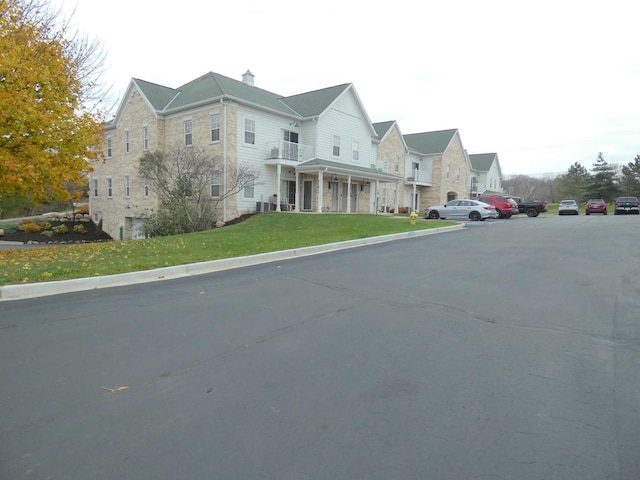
(157, 95)
(430, 143)
(213, 86)
(482, 162)
(382, 128)
(311, 104)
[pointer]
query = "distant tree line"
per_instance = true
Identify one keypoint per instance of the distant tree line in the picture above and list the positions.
(604, 180)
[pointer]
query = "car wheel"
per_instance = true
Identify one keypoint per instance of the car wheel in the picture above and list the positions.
(532, 212)
(434, 215)
(586, 213)
(474, 216)
(604, 213)
(500, 214)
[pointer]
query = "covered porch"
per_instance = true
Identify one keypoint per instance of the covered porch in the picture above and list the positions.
(323, 186)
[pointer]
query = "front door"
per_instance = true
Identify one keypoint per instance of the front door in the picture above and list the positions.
(344, 197)
(333, 186)
(308, 193)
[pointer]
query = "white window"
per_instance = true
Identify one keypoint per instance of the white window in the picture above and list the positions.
(458, 175)
(95, 187)
(249, 131)
(188, 133)
(109, 151)
(356, 150)
(336, 146)
(249, 187)
(146, 187)
(126, 186)
(385, 165)
(448, 170)
(126, 142)
(397, 166)
(215, 184)
(109, 187)
(145, 138)
(215, 127)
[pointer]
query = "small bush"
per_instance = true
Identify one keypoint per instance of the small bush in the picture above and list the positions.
(44, 225)
(60, 229)
(83, 209)
(47, 233)
(99, 227)
(29, 226)
(79, 229)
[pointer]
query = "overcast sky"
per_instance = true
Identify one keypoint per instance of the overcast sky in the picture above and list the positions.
(543, 85)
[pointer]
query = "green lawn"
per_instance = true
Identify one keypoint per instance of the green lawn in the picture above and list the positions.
(258, 234)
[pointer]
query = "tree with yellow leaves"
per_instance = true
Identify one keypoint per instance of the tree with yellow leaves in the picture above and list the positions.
(50, 111)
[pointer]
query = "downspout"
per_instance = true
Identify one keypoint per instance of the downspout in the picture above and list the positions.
(224, 162)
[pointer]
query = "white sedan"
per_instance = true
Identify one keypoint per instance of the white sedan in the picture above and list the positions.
(568, 207)
(462, 209)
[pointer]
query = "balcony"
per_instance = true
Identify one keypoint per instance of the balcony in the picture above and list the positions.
(421, 177)
(477, 188)
(290, 152)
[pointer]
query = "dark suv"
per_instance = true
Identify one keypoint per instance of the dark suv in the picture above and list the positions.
(504, 206)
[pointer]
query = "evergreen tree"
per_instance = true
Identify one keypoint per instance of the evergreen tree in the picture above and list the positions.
(572, 185)
(630, 181)
(603, 182)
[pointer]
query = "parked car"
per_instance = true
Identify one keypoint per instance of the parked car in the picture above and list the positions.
(503, 205)
(627, 205)
(462, 209)
(595, 205)
(568, 207)
(532, 208)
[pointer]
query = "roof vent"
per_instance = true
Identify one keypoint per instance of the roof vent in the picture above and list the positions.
(247, 77)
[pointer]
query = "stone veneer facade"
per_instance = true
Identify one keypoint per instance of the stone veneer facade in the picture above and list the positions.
(392, 145)
(458, 187)
(162, 134)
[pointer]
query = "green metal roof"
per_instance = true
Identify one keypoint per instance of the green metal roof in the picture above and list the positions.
(482, 162)
(430, 143)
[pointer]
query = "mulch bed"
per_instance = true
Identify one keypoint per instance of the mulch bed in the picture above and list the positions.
(59, 238)
(73, 237)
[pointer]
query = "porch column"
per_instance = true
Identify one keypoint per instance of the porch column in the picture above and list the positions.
(397, 199)
(320, 188)
(377, 197)
(297, 197)
(278, 197)
(349, 194)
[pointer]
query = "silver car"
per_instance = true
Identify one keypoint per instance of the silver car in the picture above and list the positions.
(462, 209)
(568, 207)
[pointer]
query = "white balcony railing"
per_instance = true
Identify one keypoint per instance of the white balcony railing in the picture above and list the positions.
(477, 187)
(419, 176)
(289, 151)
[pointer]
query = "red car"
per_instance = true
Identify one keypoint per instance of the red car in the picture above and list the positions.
(596, 205)
(505, 206)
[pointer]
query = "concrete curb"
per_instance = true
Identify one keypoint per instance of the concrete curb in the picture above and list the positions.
(29, 290)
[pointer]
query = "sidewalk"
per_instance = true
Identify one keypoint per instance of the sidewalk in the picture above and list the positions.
(30, 290)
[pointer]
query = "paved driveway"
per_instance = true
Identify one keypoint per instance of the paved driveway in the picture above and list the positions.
(505, 350)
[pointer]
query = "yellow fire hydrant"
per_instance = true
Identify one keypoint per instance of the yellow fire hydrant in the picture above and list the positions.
(412, 217)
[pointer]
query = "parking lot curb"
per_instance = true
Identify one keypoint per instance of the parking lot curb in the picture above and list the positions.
(30, 290)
